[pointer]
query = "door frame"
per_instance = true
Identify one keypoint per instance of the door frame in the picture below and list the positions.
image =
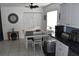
(1, 26)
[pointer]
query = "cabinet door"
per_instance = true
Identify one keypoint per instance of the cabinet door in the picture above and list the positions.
(61, 49)
(75, 15)
(58, 49)
(65, 15)
(64, 50)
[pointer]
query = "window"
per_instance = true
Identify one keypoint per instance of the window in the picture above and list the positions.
(52, 21)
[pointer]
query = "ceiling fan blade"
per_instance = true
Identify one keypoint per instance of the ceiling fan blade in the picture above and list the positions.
(31, 5)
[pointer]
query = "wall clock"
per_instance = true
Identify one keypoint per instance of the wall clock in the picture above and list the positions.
(13, 18)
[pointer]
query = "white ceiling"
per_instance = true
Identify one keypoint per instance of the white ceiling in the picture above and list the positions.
(22, 4)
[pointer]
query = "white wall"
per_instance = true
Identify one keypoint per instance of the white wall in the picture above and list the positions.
(70, 15)
(5, 11)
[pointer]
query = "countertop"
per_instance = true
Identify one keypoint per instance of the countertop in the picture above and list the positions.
(72, 45)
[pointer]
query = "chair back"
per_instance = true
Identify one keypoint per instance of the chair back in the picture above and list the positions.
(29, 33)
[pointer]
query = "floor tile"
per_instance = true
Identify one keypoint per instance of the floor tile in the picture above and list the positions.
(18, 48)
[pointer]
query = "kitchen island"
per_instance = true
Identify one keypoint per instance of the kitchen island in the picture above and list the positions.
(73, 46)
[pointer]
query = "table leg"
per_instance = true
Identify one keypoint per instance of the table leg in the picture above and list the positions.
(26, 43)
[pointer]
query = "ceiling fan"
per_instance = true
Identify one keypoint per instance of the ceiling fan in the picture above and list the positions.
(31, 5)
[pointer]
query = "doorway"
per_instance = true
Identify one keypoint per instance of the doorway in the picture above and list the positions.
(1, 31)
(52, 21)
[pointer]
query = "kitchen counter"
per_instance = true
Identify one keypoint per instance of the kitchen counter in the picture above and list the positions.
(74, 46)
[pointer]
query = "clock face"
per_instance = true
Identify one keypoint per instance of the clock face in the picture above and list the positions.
(13, 18)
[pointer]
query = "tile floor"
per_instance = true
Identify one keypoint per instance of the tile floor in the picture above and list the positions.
(18, 48)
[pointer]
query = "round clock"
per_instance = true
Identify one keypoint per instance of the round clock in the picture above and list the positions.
(13, 18)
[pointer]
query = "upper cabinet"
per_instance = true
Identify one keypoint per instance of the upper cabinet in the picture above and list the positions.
(75, 15)
(65, 15)
(69, 14)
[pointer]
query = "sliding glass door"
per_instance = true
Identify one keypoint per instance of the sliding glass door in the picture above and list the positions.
(52, 21)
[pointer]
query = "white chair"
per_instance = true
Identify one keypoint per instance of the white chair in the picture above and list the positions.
(37, 40)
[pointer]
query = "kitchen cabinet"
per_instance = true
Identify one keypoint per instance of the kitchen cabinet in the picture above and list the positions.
(61, 49)
(75, 15)
(65, 15)
(69, 15)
